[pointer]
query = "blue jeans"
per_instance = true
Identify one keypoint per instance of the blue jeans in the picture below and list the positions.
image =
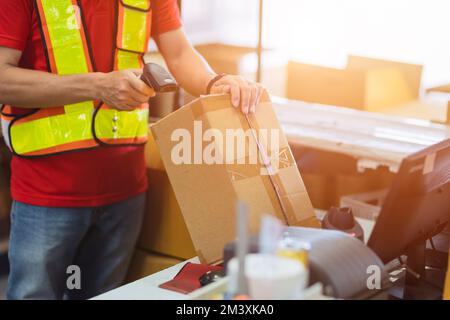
(45, 241)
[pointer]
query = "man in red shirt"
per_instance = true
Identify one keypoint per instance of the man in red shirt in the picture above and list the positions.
(83, 209)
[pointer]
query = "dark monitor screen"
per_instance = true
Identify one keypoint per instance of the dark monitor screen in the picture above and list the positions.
(417, 206)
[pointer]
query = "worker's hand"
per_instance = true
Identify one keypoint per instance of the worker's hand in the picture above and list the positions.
(124, 90)
(244, 94)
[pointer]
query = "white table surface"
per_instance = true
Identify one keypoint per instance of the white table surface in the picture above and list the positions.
(147, 288)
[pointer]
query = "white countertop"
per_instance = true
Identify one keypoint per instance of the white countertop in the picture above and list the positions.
(147, 288)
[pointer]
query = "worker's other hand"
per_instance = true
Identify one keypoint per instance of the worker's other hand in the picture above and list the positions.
(124, 90)
(244, 94)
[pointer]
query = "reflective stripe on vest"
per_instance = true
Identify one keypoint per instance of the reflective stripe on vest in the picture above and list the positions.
(110, 125)
(55, 130)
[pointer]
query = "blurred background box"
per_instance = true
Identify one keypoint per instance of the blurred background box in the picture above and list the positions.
(361, 182)
(324, 85)
(432, 107)
(145, 263)
(365, 205)
(443, 93)
(412, 72)
(230, 59)
(329, 176)
(328, 189)
(164, 230)
(366, 84)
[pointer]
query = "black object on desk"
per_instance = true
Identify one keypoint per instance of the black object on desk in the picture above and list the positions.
(341, 263)
(210, 277)
(342, 219)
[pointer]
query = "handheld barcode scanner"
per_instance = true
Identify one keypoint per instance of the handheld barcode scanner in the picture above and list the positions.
(158, 78)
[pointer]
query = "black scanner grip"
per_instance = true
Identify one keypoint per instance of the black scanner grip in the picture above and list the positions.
(158, 78)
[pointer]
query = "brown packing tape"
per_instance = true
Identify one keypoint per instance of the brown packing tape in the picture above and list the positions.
(276, 187)
(285, 205)
(285, 200)
(249, 184)
(284, 210)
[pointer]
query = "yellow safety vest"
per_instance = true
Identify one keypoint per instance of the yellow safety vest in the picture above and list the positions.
(84, 125)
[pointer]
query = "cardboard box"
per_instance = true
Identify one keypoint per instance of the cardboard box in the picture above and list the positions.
(444, 94)
(366, 84)
(207, 192)
(433, 106)
(152, 158)
(412, 73)
(144, 264)
(319, 189)
(361, 182)
(442, 89)
(243, 61)
(163, 230)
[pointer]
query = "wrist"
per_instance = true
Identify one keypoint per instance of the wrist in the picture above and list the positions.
(95, 85)
(213, 80)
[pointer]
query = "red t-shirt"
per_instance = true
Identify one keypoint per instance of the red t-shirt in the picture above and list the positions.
(86, 178)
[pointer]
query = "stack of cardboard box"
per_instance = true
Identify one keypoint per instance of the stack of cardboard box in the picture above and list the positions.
(144, 263)
(164, 240)
(164, 230)
(243, 61)
(329, 176)
(366, 83)
(370, 84)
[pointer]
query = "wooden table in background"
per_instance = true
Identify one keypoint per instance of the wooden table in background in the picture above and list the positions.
(374, 139)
